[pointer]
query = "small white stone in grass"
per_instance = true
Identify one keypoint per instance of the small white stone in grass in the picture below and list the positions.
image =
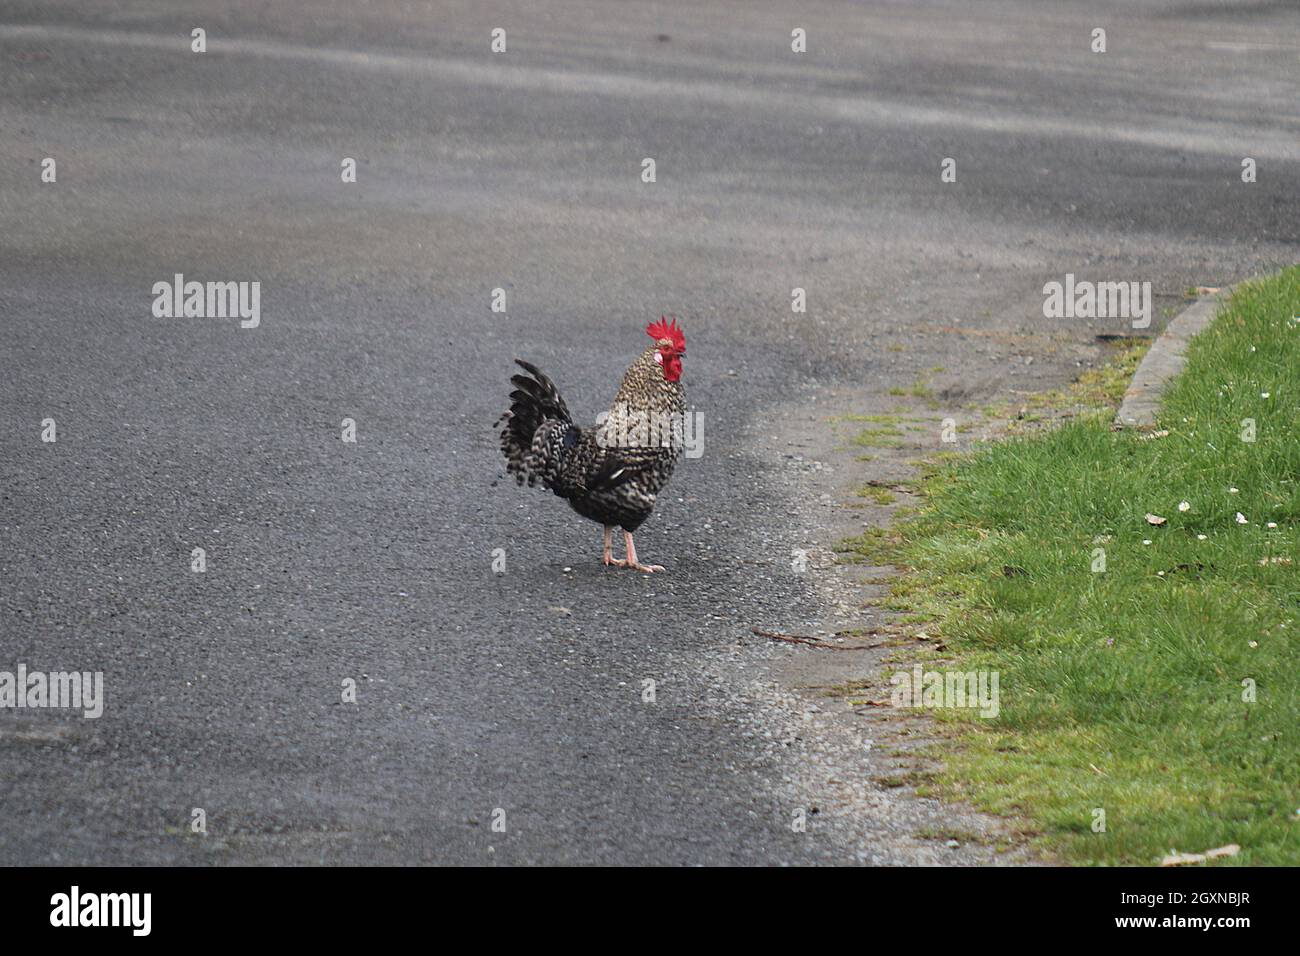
(1184, 506)
(1241, 518)
(1232, 491)
(1263, 394)
(1146, 541)
(1160, 574)
(1200, 537)
(1254, 643)
(1272, 524)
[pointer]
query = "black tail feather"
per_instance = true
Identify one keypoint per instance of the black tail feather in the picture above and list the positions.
(534, 402)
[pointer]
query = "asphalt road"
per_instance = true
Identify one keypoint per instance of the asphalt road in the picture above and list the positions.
(372, 561)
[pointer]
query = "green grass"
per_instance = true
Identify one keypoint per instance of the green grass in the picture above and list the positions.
(872, 419)
(1123, 690)
(881, 496)
(921, 387)
(886, 437)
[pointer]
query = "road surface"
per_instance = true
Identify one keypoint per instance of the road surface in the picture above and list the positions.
(517, 698)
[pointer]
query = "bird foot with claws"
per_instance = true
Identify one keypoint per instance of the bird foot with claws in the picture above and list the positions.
(631, 560)
(634, 565)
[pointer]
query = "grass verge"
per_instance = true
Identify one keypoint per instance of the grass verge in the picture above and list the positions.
(1147, 670)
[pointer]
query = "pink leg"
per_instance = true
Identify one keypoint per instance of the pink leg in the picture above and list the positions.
(632, 562)
(609, 548)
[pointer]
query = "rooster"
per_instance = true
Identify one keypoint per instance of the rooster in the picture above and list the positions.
(612, 471)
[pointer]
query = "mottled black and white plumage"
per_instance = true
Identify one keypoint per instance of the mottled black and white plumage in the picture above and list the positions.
(610, 472)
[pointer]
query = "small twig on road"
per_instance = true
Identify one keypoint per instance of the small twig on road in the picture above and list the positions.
(803, 639)
(892, 486)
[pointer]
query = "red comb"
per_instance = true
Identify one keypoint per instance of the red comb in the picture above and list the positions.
(663, 329)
